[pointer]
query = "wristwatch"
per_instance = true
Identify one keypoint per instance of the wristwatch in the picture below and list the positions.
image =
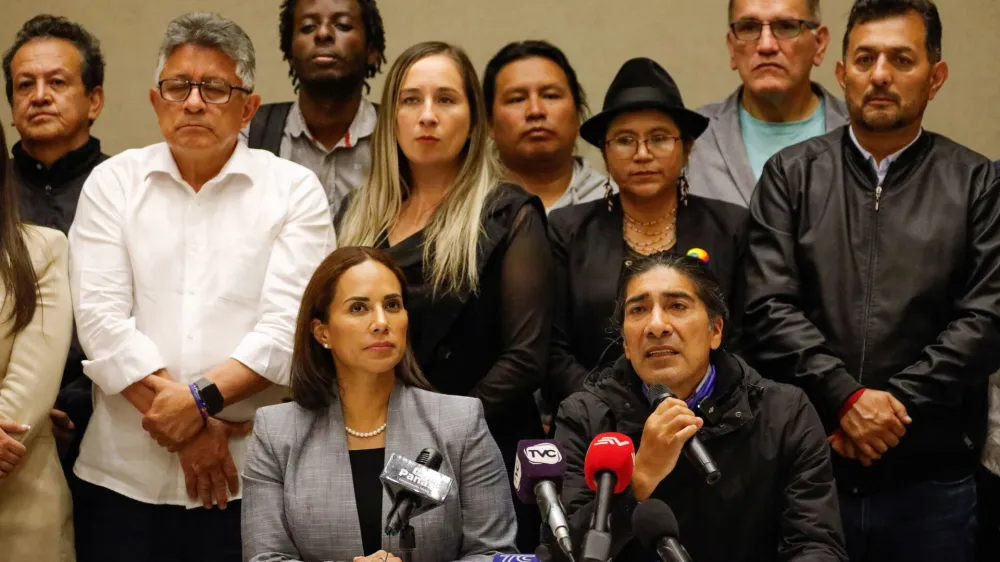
(210, 395)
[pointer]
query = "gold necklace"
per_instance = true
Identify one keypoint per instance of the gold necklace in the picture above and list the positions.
(655, 240)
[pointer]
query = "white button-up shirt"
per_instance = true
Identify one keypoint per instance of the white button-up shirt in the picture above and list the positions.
(166, 277)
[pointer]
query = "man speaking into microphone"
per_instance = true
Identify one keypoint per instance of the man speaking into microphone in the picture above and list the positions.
(715, 420)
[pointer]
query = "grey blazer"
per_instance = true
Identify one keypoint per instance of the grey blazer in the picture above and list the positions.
(298, 497)
(719, 167)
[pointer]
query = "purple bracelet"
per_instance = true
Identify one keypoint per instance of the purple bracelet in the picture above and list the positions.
(202, 408)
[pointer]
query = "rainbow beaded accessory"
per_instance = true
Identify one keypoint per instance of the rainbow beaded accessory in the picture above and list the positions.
(698, 253)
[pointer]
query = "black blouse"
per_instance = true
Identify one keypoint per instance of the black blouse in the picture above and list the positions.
(590, 254)
(366, 466)
(491, 343)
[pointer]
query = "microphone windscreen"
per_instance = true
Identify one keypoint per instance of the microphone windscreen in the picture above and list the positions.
(514, 558)
(537, 460)
(430, 458)
(658, 393)
(613, 452)
(653, 520)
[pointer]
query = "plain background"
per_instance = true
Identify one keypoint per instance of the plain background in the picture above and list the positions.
(686, 36)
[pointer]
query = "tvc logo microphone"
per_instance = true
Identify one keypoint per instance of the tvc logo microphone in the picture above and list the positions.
(538, 476)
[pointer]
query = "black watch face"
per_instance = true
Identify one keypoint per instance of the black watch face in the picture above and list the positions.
(211, 396)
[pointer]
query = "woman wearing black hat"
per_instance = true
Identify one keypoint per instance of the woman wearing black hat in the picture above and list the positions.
(645, 135)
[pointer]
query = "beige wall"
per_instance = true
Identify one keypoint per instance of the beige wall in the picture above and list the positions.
(686, 36)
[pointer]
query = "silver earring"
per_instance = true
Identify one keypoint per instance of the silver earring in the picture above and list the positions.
(326, 346)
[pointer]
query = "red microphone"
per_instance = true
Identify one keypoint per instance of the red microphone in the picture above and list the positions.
(611, 452)
(608, 470)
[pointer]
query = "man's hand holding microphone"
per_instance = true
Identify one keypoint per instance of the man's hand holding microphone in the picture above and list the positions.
(668, 428)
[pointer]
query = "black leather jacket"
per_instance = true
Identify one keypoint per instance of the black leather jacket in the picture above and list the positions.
(893, 287)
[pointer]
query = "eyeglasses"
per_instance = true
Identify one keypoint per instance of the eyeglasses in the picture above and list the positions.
(215, 91)
(625, 147)
(782, 28)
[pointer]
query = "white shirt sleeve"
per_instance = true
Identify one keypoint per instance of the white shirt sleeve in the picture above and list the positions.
(101, 288)
(305, 239)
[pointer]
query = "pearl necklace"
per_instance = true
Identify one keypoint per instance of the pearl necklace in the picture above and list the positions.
(366, 434)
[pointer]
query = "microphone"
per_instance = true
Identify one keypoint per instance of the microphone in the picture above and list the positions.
(654, 524)
(694, 450)
(608, 470)
(538, 476)
(514, 558)
(414, 487)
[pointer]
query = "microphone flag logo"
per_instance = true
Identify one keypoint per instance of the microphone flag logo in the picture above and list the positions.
(543, 453)
(612, 440)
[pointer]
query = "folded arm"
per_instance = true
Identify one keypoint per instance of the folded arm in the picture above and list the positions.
(777, 335)
(964, 354)
(101, 287)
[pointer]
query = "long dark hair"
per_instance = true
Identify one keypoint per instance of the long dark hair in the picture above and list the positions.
(16, 269)
(314, 376)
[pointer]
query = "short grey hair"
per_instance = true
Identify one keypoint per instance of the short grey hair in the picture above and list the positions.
(206, 29)
(813, 5)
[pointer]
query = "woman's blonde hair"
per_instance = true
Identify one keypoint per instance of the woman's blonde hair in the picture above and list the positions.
(451, 237)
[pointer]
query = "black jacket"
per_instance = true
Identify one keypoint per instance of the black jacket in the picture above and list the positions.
(776, 499)
(893, 287)
(589, 251)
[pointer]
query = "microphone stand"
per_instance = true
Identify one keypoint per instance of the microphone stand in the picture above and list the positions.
(407, 542)
(597, 541)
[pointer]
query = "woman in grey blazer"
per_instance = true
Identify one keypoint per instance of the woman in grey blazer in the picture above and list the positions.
(311, 477)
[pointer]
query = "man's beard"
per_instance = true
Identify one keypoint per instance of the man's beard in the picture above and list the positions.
(337, 88)
(893, 118)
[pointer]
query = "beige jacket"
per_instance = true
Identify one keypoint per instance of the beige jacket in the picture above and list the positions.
(36, 516)
(991, 451)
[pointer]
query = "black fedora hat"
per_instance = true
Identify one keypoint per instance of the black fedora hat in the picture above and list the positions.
(641, 83)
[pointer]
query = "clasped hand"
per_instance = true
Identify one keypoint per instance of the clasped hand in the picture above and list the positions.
(209, 470)
(11, 450)
(173, 418)
(380, 556)
(874, 424)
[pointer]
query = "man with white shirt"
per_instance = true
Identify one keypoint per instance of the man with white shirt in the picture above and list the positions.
(188, 262)
(873, 282)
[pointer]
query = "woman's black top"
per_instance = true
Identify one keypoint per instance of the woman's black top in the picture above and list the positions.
(366, 466)
(491, 343)
(590, 255)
